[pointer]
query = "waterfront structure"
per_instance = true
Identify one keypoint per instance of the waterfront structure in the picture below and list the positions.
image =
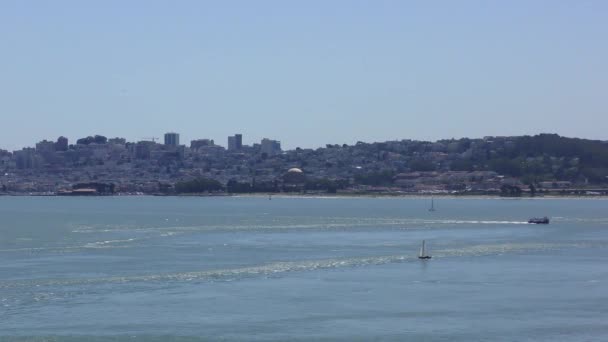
(171, 139)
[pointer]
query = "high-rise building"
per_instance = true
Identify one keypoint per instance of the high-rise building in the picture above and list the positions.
(235, 142)
(231, 143)
(171, 139)
(239, 141)
(270, 147)
(27, 158)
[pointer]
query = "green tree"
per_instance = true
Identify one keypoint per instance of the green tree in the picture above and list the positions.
(422, 165)
(532, 190)
(198, 185)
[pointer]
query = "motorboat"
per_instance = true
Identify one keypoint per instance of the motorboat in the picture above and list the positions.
(539, 220)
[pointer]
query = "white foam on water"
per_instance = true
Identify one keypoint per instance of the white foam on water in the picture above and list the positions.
(105, 243)
(291, 223)
(306, 265)
(88, 245)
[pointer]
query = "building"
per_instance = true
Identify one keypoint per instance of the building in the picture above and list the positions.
(171, 139)
(61, 144)
(27, 158)
(270, 147)
(239, 141)
(118, 141)
(194, 144)
(5, 159)
(231, 143)
(45, 146)
(235, 142)
(143, 149)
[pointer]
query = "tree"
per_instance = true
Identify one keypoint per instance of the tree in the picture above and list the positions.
(532, 190)
(329, 185)
(422, 165)
(98, 139)
(506, 167)
(510, 191)
(375, 178)
(198, 185)
(462, 165)
(233, 186)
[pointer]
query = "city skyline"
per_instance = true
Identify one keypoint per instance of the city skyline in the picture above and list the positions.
(305, 73)
(492, 165)
(225, 141)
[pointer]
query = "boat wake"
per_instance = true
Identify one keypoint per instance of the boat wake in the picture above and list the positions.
(103, 244)
(100, 244)
(474, 222)
(278, 268)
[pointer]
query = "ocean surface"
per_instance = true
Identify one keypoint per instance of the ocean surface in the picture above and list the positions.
(308, 269)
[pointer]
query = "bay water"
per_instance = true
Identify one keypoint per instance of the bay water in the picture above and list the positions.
(300, 268)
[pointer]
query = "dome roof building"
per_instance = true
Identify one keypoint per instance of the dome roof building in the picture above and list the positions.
(294, 176)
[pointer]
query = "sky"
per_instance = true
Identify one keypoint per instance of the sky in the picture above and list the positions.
(306, 73)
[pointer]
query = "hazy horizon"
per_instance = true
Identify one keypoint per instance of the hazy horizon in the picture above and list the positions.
(307, 74)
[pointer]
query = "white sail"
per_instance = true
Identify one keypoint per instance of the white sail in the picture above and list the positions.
(422, 251)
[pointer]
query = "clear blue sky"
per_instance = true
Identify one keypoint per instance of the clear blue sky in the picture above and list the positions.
(306, 73)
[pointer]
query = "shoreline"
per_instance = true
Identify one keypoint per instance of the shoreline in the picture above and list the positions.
(326, 196)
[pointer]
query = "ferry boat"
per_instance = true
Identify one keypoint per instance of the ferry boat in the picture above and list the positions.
(539, 220)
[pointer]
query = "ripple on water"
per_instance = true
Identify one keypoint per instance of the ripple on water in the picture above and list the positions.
(301, 266)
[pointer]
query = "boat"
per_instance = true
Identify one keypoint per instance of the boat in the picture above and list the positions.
(432, 208)
(423, 254)
(539, 220)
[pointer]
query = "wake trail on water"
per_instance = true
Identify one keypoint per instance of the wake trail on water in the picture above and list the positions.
(102, 244)
(328, 223)
(278, 268)
(356, 224)
(170, 231)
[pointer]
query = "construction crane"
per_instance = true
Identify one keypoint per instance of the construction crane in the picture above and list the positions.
(153, 139)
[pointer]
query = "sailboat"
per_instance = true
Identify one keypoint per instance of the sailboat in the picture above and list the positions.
(423, 254)
(432, 208)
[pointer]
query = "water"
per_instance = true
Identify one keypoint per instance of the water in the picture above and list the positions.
(191, 269)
